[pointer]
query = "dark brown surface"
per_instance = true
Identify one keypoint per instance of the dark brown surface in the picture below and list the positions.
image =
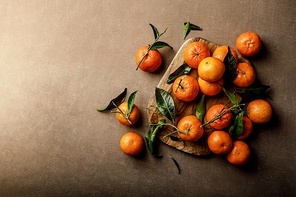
(60, 60)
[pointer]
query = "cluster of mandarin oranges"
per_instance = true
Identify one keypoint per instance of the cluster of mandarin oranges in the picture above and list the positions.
(210, 71)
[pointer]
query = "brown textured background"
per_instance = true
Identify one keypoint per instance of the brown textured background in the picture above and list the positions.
(62, 59)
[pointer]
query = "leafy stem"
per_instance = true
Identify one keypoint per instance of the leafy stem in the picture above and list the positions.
(118, 110)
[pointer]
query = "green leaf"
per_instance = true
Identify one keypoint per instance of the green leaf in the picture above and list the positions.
(230, 65)
(130, 102)
(182, 70)
(257, 89)
(176, 163)
(114, 102)
(188, 27)
(231, 96)
(200, 108)
(165, 104)
(155, 31)
(152, 136)
(159, 45)
(237, 128)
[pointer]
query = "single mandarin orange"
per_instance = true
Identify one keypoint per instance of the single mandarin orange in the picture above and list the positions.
(210, 88)
(190, 128)
(239, 154)
(219, 116)
(185, 88)
(195, 52)
(259, 111)
(131, 143)
(126, 118)
(151, 60)
(219, 142)
(221, 52)
(248, 43)
(245, 75)
(211, 69)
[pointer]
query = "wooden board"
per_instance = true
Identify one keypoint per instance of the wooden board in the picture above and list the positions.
(200, 147)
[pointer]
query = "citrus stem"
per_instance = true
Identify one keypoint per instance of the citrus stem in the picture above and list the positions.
(175, 131)
(126, 116)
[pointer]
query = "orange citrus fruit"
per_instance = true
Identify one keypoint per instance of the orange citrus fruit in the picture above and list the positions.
(210, 88)
(195, 52)
(185, 88)
(221, 52)
(127, 119)
(222, 118)
(247, 128)
(131, 143)
(219, 142)
(239, 153)
(152, 60)
(211, 69)
(190, 128)
(259, 111)
(248, 43)
(245, 75)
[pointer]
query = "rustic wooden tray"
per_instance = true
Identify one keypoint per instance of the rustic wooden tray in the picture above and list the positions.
(200, 147)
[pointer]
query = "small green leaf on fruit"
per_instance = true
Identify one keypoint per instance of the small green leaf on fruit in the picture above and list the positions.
(188, 27)
(114, 102)
(165, 104)
(159, 45)
(182, 70)
(200, 108)
(155, 31)
(130, 102)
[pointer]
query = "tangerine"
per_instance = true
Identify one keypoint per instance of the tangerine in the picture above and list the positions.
(185, 88)
(239, 153)
(221, 52)
(151, 59)
(127, 119)
(210, 88)
(195, 52)
(248, 43)
(190, 128)
(219, 116)
(211, 69)
(219, 142)
(247, 128)
(245, 75)
(131, 143)
(259, 111)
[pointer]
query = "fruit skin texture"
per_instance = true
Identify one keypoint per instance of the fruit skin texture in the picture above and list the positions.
(211, 69)
(245, 75)
(248, 44)
(151, 62)
(247, 128)
(219, 142)
(221, 52)
(131, 143)
(210, 89)
(191, 125)
(259, 111)
(223, 121)
(195, 52)
(133, 117)
(239, 153)
(185, 88)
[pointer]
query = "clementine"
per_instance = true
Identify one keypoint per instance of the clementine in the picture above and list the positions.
(210, 88)
(221, 52)
(247, 128)
(195, 52)
(126, 118)
(190, 128)
(211, 69)
(219, 116)
(248, 43)
(259, 111)
(185, 88)
(150, 60)
(131, 143)
(245, 75)
(239, 153)
(219, 142)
